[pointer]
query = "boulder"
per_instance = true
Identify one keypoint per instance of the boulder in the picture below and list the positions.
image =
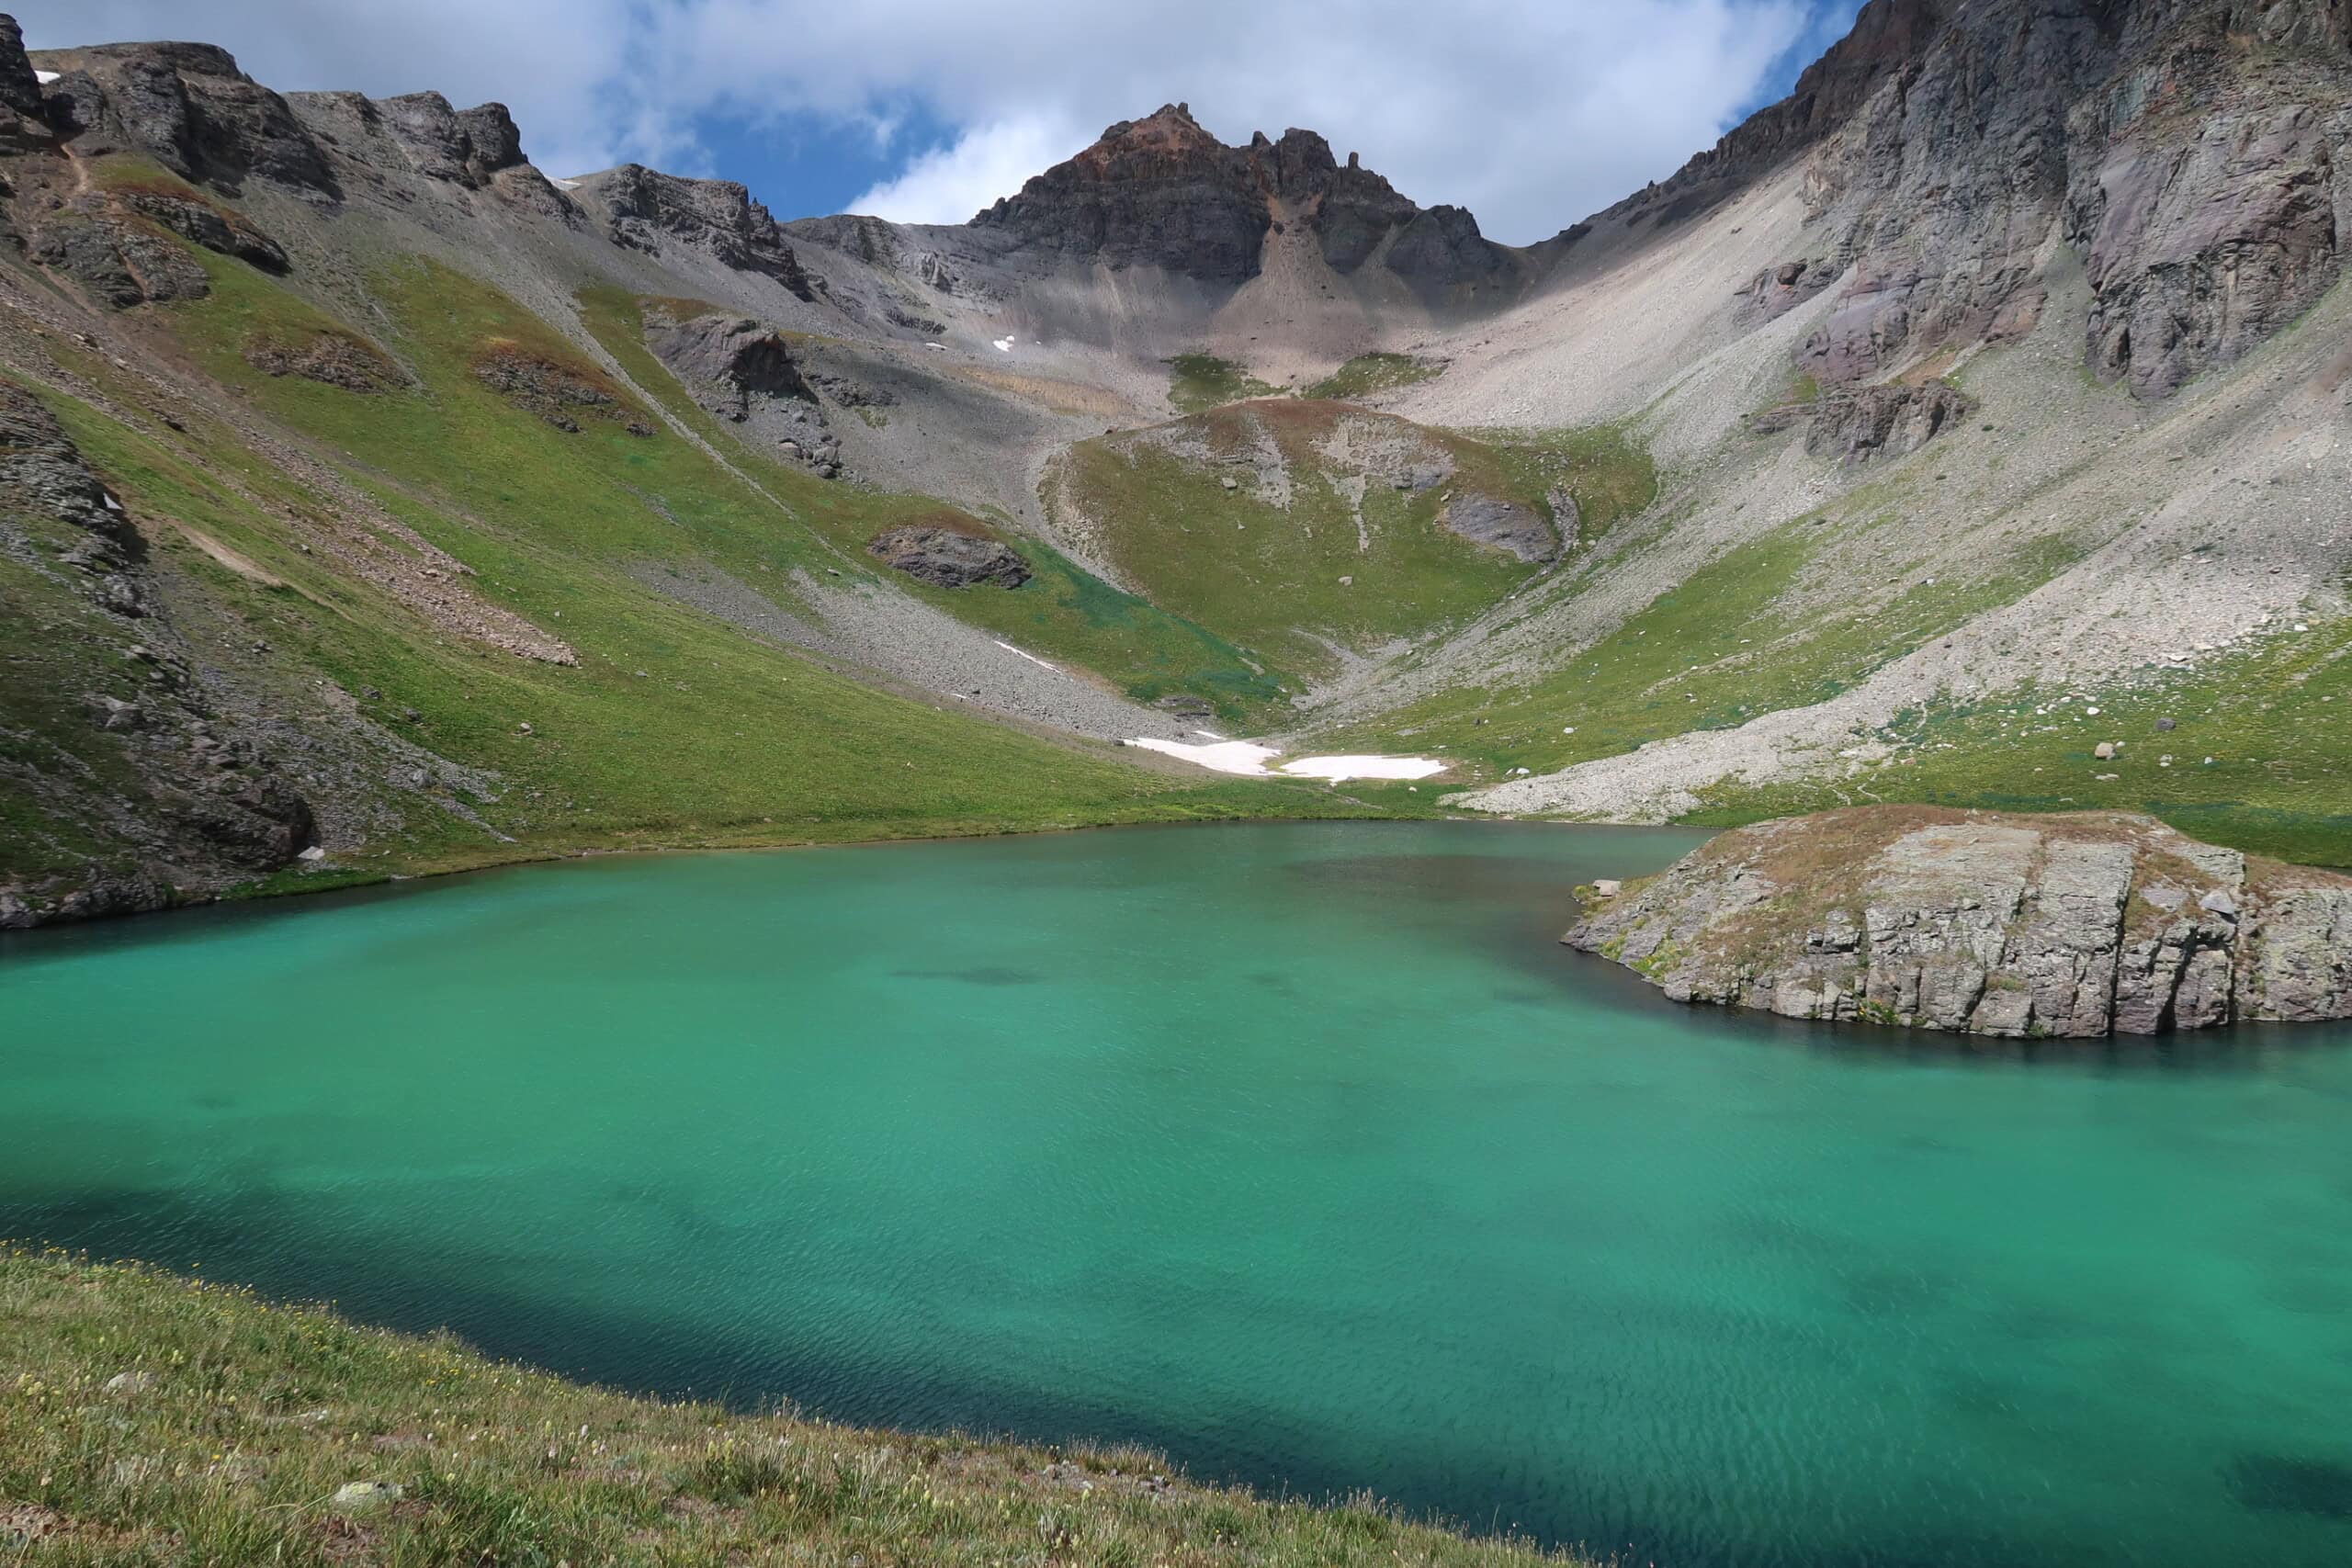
(949, 557)
(1503, 525)
(1883, 422)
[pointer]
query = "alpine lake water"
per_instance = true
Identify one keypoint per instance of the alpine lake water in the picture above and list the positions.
(1302, 1153)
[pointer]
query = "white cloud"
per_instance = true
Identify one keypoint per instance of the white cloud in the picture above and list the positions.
(1532, 113)
(947, 185)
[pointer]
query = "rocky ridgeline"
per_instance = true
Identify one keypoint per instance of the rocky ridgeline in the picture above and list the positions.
(2189, 150)
(1162, 192)
(1977, 923)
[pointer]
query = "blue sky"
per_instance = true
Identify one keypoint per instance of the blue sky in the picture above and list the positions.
(1532, 113)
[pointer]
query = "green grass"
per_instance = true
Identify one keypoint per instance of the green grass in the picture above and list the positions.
(2276, 719)
(243, 1419)
(1198, 381)
(1369, 373)
(1267, 577)
(1735, 640)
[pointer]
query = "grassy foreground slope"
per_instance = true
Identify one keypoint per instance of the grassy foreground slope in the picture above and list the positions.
(148, 1420)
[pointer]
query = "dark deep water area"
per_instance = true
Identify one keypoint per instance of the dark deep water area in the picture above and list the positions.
(1301, 1152)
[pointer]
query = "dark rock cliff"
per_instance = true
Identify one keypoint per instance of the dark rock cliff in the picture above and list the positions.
(1162, 192)
(647, 210)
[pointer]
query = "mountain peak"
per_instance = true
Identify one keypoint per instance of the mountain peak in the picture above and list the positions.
(1163, 191)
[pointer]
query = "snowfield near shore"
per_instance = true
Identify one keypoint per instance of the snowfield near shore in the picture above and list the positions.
(1249, 758)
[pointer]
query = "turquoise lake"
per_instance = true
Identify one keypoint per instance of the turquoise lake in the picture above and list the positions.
(1302, 1152)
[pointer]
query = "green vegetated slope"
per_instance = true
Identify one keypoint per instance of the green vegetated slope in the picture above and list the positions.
(1248, 518)
(153, 1420)
(2275, 719)
(1198, 381)
(1777, 623)
(1368, 374)
(672, 726)
(1063, 613)
(1735, 638)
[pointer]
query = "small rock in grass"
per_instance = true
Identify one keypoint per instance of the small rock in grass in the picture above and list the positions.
(2164, 723)
(364, 1496)
(130, 1382)
(2105, 751)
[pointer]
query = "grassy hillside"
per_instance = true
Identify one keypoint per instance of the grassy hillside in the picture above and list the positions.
(1286, 525)
(671, 728)
(146, 1419)
(1198, 381)
(1367, 374)
(1063, 613)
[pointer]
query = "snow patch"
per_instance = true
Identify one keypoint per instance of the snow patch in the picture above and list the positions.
(1221, 756)
(1249, 759)
(941, 347)
(44, 77)
(565, 185)
(1337, 769)
(1003, 345)
(1030, 657)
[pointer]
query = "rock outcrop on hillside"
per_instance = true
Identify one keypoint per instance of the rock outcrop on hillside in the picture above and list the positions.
(2189, 149)
(1979, 923)
(1162, 192)
(949, 557)
(651, 212)
(204, 806)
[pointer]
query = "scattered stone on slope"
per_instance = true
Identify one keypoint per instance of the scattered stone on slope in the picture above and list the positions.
(331, 358)
(949, 555)
(1974, 922)
(1502, 524)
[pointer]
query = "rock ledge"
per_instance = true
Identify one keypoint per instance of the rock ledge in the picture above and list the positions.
(1979, 923)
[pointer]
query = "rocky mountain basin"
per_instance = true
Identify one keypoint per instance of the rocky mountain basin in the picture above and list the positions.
(2074, 927)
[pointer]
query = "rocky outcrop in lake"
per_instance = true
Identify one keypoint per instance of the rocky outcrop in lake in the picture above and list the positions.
(1975, 922)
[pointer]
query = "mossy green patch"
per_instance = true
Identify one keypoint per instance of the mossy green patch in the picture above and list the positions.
(1367, 374)
(1272, 523)
(1197, 381)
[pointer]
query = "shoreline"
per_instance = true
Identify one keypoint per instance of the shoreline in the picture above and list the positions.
(288, 888)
